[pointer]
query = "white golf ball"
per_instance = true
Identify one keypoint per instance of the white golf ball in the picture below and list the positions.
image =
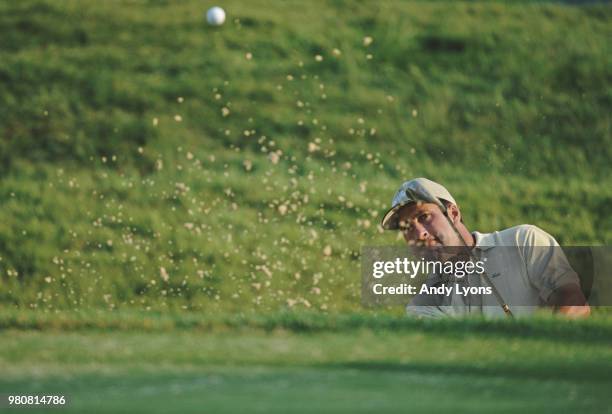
(215, 16)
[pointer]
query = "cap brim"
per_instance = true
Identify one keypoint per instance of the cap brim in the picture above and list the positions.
(390, 219)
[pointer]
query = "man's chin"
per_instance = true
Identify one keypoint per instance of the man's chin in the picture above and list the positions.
(429, 249)
(426, 243)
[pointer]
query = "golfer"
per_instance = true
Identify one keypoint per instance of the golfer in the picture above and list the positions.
(526, 267)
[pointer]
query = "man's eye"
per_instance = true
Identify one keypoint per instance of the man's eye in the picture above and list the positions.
(424, 217)
(405, 228)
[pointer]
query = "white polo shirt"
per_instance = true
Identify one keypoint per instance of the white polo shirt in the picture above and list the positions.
(525, 264)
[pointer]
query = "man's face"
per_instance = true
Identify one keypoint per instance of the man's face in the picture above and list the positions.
(425, 224)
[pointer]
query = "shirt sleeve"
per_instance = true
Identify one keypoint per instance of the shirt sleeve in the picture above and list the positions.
(547, 266)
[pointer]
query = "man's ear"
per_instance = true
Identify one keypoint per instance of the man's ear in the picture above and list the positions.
(453, 213)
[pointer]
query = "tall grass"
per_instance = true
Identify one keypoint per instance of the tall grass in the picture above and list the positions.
(148, 163)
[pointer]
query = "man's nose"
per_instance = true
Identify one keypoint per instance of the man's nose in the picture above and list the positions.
(421, 231)
(417, 232)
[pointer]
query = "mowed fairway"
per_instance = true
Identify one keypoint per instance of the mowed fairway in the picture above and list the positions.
(424, 369)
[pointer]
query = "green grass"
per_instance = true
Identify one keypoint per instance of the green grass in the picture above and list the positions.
(595, 329)
(493, 84)
(469, 366)
(506, 104)
(360, 388)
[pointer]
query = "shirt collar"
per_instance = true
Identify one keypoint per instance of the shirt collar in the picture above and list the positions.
(483, 241)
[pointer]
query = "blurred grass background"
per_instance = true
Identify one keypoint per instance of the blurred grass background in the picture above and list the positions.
(150, 161)
(304, 362)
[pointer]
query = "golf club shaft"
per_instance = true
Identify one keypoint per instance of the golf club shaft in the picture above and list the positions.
(485, 276)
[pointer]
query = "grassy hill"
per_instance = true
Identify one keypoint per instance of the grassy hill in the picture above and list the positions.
(150, 161)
